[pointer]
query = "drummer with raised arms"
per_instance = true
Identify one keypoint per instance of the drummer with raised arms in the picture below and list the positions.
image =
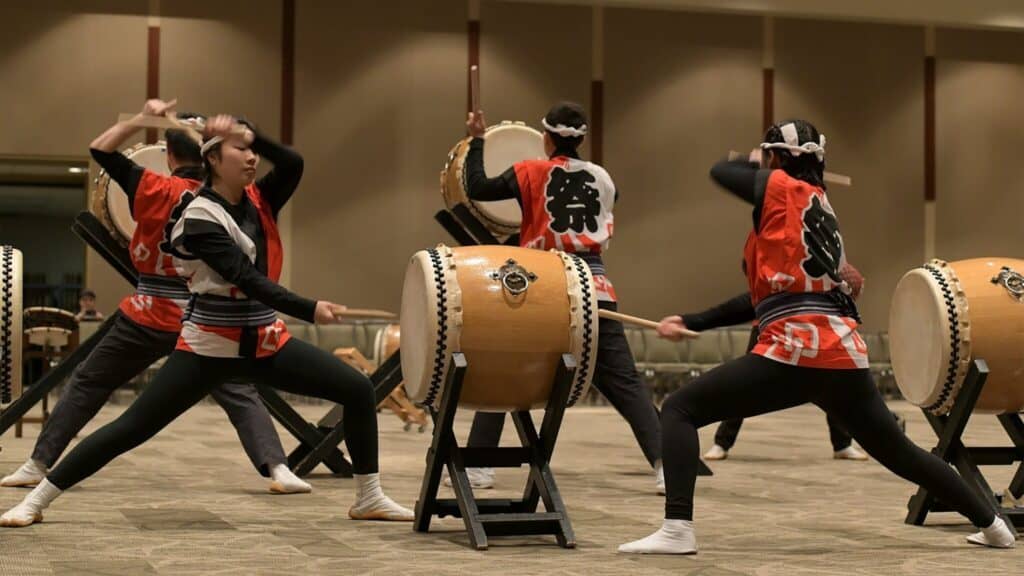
(567, 205)
(147, 323)
(808, 348)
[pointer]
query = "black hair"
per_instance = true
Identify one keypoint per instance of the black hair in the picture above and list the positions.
(567, 114)
(87, 293)
(181, 145)
(806, 166)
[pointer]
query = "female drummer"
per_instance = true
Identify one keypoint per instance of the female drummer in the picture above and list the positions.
(145, 327)
(567, 205)
(231, 250)
(808, 349)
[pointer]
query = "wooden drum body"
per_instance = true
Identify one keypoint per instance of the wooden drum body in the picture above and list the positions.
(512, 311)
(386, 342)
(944, 315)
(507, 143)
(110, 203)
(49, 327)
(11, 272)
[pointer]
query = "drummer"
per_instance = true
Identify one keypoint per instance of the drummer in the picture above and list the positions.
(567, 205)
(808, 349)
(146, 326)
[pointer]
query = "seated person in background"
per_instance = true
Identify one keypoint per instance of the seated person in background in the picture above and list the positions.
(87, 311)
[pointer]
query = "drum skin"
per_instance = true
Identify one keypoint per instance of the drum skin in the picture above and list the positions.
(513, 343)
(507, 143)
(11, 272)
(110, 203)
(945, 315)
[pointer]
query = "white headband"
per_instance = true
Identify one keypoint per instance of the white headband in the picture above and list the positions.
(210, 144)
(792, 143)
(563, 130)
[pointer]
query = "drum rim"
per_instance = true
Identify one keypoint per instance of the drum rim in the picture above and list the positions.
(48, 310)
(583, 296)
(443, 289)
(449, 318)
(949, 294)
(11, 315)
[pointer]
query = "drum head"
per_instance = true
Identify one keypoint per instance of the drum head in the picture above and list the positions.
(420, 323)
(153, 157)
(920, 337)
(506, 145)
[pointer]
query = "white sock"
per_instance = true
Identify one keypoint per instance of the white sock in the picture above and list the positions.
(997, 535)
(674, 537)
(28, 474)
(373, 504)
(30, 510)
(284, 481)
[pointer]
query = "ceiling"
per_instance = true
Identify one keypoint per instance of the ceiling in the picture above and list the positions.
(1000, 14)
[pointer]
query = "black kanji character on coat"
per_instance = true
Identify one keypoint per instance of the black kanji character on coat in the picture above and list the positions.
(823, 242)
(573, 201)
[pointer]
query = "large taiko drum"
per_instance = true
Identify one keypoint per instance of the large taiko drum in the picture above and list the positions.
(945, 314)
(512, 311)
(507, 143)
(10, 324)
(110, 203)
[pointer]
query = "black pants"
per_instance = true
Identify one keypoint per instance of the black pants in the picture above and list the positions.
(754, 385)
(186, 378)
(126, 350)
(616, 377)
(728, 430)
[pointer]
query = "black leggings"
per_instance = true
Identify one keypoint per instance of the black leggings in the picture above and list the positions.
(754, 385)
(186, 378)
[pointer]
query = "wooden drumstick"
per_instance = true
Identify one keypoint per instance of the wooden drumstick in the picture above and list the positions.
(365, 313)
(830, 177)
(165, 123)
(474, 88)
(627, 319)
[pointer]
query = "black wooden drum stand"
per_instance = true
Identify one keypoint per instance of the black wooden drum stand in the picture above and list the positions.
(949, 429)
(491, 516)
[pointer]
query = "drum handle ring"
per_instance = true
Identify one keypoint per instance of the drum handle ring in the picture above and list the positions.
(514, 277)
(1011, 280)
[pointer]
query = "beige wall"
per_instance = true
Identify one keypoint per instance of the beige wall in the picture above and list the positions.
(680, 91)
(68, 68)
(380, 99)
(979, 136)
(521, 78)
(867, 98)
